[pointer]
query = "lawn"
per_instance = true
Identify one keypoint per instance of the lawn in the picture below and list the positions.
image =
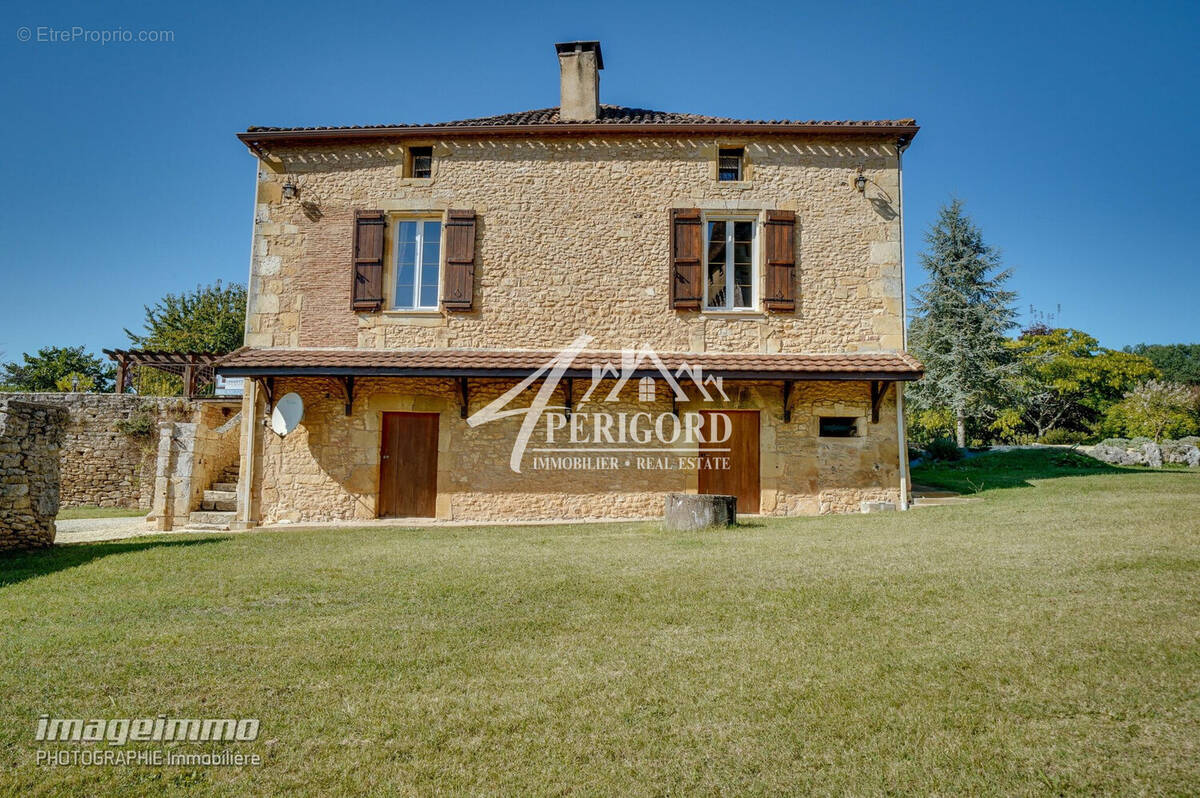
(1043, 640)
(87, 511)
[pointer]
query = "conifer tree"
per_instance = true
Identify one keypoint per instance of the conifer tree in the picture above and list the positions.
(961, 317)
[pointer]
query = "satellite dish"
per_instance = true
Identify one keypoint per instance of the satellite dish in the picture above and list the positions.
(287, 413)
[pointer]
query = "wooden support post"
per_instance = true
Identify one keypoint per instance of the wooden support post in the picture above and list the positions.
(569, 388)
(348, 382)
(787, 399)
(120, 374)
(464, 397)
(189, 379)
(878, 390)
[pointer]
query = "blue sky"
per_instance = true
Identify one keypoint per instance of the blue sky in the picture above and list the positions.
(1065, 127)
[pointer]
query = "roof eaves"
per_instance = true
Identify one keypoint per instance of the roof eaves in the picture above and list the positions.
(258, 138)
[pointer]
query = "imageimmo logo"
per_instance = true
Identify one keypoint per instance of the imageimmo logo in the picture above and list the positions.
(162, 729)
(597, 437)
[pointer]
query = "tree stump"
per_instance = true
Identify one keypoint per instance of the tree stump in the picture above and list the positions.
(689, 511)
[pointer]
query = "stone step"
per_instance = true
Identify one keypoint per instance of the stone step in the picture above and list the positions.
(221, 505)
(230, 487)
(206, 527)
(208, 519)
(942, 501)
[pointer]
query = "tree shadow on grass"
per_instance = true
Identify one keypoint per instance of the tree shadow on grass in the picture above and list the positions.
(1017, 469)
(18, 566)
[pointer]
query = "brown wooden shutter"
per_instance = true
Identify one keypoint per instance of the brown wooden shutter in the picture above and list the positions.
(459, 284)
(366, 293)
(687, 242)
(780, 293)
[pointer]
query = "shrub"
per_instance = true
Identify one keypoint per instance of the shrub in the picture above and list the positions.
(139, 424)
(1058, 437)
(943, 449)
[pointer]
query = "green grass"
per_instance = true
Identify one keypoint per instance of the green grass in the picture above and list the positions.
(1018, 468)
(1039, 641)
(73, 513)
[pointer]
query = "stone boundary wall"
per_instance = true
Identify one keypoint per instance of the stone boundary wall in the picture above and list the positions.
(30, 436)
(103, 466)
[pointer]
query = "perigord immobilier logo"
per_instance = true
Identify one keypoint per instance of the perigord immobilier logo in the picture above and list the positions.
(594, 435)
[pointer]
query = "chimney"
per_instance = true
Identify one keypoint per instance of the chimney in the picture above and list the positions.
(579, 65)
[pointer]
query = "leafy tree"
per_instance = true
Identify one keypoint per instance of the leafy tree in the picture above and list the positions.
(75, 383)
(210, 319)
(1177, 362)
(1067, 380)
(962, 315)
(43, 371)
(1156, 409)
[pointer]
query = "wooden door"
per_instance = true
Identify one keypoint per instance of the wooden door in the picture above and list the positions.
(741, 477)
(408, 465)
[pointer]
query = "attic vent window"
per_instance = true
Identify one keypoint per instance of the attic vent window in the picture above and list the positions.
(420, 162)
(729, 163)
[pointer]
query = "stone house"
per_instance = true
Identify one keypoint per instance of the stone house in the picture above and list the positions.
(570, 312)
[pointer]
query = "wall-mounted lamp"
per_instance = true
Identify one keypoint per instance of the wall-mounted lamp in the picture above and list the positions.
(860, 182)
(290, 190)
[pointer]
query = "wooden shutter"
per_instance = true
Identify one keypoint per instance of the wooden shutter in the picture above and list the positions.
(460, 260)
(780, 293)
(687, 241)
(366, 293)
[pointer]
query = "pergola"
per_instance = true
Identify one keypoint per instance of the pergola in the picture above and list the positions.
(194, 368)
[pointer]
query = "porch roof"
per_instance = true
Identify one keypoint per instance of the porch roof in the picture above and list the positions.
(339, 362)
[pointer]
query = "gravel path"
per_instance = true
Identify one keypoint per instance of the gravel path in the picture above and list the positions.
(80, 530)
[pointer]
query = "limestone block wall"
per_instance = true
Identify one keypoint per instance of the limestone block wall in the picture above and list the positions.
(328, 468)
(30, 437)
(104, 466)
(573, 236)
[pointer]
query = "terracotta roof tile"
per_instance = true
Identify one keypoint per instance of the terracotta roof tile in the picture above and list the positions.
(507, 362)
(609, 115)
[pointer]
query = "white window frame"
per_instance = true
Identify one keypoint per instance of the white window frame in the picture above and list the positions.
(420, 245)
(755, 281)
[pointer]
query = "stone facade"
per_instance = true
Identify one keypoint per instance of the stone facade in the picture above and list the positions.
(573, 236)
(30, 437)
(328, 468)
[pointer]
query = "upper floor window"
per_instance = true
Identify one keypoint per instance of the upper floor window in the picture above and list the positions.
(730, 283)
(418, 264)
(730, 162)
(420, 161)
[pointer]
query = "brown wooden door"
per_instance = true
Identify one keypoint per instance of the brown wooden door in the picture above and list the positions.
(740, 478)
(408, 465)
